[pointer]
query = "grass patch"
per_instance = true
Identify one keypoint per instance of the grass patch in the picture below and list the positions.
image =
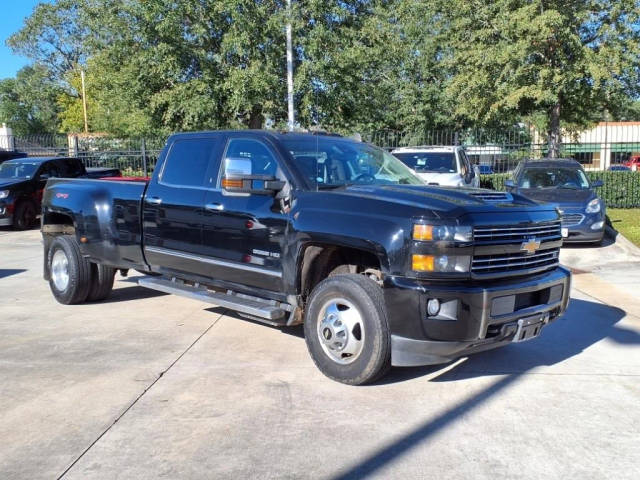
(626, 221)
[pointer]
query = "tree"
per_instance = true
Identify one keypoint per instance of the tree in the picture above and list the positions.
(28, 102)
(513, 58)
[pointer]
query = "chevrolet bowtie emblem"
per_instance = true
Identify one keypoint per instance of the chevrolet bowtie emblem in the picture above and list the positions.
(530, 246)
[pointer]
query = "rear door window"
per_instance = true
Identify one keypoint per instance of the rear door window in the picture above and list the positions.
(187, 162)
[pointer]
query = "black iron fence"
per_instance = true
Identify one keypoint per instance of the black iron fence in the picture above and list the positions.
(134, 157)
(606, 147)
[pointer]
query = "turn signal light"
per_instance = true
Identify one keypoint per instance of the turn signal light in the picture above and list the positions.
(422, 232)
(422, 263)
(228, 183)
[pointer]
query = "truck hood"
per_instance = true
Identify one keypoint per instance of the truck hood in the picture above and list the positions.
(456, 201)
(11, 183)
(560, 196)
(445, 179)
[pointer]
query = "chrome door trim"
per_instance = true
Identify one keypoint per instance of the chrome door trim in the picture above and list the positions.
(222, 263)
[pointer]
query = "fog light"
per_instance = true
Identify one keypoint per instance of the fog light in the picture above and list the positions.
(597, 225)
(433, 307)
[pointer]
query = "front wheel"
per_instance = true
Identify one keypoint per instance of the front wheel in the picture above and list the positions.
(25, 215)
(70, 272)
(346, 329)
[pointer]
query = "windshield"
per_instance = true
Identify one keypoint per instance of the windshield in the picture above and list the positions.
(18, 170)
(331, 162)
(442, 162)
(554, 178)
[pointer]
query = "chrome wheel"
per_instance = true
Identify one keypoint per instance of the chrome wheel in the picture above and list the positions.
(60, 270)
(341, 330)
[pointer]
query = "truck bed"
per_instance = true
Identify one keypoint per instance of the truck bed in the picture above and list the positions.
(106, 213)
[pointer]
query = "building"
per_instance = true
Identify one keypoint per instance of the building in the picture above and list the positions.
(606, 144)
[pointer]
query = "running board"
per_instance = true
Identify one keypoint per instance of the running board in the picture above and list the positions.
(265, 310)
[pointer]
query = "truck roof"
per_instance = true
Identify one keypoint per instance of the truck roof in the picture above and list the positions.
(265, 133)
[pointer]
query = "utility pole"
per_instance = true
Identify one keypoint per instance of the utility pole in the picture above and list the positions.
(84, 103)
(292, 120)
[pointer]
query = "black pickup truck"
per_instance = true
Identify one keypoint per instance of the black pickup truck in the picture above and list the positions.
(290, 228)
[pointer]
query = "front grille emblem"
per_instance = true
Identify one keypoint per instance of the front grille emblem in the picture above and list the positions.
(530, 246)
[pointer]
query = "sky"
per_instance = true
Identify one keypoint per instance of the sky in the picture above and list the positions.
(11, 19)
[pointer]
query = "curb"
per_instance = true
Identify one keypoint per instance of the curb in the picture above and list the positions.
(621, 240)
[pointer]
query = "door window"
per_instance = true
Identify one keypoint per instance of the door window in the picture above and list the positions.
(258, 156)
(187, 162)
(71, 167)
(49, 168)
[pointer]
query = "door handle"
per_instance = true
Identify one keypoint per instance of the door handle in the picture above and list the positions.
(214, 207)
(154, 200)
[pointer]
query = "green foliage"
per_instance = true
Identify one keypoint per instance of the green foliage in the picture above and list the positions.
(28, 102)
(626, 221)
(620, 189)
(154, 67)
(515, 58)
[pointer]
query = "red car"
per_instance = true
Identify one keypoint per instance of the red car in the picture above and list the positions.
(633, 163)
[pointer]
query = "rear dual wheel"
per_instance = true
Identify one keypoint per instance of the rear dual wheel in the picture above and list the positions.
(73, 279)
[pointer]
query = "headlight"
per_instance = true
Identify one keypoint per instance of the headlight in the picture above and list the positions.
(4, 193)
(451, 233)
(440, 263)
(593, 206)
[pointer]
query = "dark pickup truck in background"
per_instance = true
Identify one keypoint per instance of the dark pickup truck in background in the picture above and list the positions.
(22, 181)
(290, 228)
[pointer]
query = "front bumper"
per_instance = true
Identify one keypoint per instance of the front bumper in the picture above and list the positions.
(473, 317)
(582, 232)
(6, 214)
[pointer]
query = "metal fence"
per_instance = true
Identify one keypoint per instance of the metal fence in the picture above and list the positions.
(606, 146)
(134, 157)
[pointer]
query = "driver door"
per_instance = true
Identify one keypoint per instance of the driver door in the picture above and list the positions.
(243, 233)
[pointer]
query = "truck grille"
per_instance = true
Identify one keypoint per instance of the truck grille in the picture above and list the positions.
(572, 219)
(486, 264)
(500, 235)
(510, 262)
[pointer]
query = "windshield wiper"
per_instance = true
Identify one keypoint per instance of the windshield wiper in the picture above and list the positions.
(569, 187)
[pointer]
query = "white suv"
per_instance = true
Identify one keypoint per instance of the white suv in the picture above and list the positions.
(446, 166)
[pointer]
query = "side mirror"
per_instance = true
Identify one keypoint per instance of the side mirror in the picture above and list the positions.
(44, 176)
(238, 178)
(509, 184)
(597, 183)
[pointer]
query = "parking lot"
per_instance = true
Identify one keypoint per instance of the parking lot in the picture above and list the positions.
(147, 385)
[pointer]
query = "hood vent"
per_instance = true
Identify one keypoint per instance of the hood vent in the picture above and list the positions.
(493, 197)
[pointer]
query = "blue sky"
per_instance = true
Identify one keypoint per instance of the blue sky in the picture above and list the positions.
(12, 18)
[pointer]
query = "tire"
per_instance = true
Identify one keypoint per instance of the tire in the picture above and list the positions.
(70, 278)
(350, 308)
(102, 278)
(24, 216)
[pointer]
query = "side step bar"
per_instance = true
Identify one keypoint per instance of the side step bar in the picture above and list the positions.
(266, 311)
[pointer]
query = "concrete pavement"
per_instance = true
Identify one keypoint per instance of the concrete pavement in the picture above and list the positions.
(149, 385)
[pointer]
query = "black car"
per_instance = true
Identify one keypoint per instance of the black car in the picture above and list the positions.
(22, 181)
(289, 228)
(563, 182)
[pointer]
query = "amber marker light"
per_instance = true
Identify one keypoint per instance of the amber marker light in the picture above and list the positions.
(422, 263)
(227, 183)
(422, 232)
